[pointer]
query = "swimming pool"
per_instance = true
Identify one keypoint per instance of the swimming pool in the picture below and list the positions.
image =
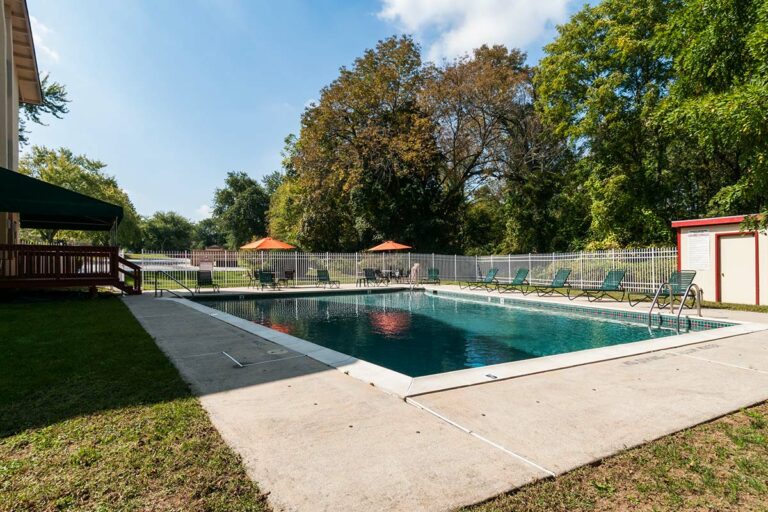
(416, 333)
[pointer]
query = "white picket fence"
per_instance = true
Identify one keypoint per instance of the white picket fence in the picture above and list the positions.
(646, 268)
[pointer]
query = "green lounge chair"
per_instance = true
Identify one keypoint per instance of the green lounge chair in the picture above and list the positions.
(610, 287)
(488, 280)
(519, 283)
(267, 280)
(370, 276)
(559, 282)
(433, 276)
(288, 279)
(324, 279)
(680, 284)
(205, 278)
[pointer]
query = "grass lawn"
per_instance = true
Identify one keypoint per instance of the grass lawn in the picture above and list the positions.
(721, 465)
(94, 417)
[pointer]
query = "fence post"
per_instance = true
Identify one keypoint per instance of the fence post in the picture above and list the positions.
(455, 271)
(477, 266)
(530, 265)
(581, 269)
(653, 266)
(509, 266)
(433, 260)
(552, 270)
(327, 259)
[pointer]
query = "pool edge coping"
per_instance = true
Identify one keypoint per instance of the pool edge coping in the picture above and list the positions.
(404, 386)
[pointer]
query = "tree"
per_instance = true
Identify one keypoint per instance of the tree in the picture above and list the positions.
(81, 174)
(240, 207)
(715, 112)
(598, 86)
(665, 103)
(166, 231)
(472, 101)
(272, 181)
(54, 103)
(285, 212)
(206, 233)
(483, 221)
(366, 159)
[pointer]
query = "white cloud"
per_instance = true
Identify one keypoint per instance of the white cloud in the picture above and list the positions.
(40, 33)
(203, 212)
(455, 27)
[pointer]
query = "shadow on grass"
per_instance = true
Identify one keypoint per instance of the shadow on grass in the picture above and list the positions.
(65, 355)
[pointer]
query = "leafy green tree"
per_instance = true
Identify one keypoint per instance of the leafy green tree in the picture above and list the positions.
(598, 86)
(54, 103)
(483, 221)
(241, 207)
(366, 158)
(285, 212)
(207, 233)
(665, 102)
(715, 113)
(473, 101)
(166, 231)
(272, 182)
(84, 175)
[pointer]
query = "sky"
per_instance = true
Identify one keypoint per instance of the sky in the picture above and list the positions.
(173, 94)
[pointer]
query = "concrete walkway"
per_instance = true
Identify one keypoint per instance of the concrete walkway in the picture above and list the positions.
(316, 439)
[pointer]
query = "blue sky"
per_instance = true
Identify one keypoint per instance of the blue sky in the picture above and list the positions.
(173, 94)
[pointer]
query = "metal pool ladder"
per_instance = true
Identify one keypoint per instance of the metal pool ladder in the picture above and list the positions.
(697, 294)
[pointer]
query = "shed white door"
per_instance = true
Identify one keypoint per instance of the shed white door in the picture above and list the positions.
(737, 269)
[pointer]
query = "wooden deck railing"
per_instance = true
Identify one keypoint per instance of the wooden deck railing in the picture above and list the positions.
(43, 266)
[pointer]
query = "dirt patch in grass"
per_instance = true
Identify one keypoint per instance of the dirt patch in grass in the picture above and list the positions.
(94, 417)
(722, 465)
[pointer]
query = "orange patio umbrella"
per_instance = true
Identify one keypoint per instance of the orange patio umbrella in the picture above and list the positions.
(389, 245)
(266, 244)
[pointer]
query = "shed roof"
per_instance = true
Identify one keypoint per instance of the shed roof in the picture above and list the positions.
(712, 221)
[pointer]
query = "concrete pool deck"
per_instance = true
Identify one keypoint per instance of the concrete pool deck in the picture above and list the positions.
(316, 439)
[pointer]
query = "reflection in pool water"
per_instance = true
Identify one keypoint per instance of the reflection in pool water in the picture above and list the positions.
(419, 334)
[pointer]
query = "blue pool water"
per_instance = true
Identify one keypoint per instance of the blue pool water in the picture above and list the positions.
(418, 334)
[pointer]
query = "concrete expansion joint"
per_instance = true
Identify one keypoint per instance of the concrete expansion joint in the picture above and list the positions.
(239, 364)
(481, 438)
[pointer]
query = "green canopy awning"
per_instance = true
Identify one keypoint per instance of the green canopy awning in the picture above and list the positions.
(45, 206)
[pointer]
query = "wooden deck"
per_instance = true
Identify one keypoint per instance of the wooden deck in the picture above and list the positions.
(55, 266)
